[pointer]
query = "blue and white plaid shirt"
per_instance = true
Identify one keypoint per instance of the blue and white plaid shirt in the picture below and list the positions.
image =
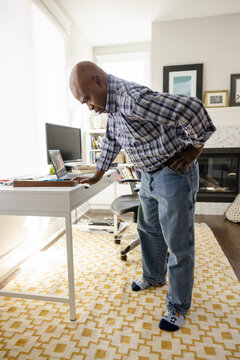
(150, 126)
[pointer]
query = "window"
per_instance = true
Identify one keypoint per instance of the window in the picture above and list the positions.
(128, 66)
(33, 85)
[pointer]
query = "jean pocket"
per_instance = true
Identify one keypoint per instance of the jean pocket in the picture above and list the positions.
(179, 172)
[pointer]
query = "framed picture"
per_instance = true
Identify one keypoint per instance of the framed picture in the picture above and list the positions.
(218, 98)
(235, 90)
(183, 80)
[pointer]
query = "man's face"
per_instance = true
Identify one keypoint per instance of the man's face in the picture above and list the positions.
(93, 94)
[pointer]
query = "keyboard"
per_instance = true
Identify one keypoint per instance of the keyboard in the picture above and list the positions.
(68, 177)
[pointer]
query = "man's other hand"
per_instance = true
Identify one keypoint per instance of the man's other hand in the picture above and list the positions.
(85, 180)
(90, 180)
(185, 158)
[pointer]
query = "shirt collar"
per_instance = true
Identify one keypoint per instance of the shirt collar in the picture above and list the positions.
(111, 105)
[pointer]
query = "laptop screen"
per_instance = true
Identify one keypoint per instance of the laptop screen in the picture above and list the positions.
(58, 163)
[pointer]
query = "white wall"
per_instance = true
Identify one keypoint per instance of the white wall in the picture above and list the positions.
(209, 40)
(79, 49)
(19, 231)
(213, 42)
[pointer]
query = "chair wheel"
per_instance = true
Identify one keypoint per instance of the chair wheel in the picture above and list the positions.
(117, 241)
(123, 257)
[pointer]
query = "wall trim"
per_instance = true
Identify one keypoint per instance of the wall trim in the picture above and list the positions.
(56, 12)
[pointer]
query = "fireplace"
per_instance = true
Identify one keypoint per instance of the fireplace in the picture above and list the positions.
(219, 172)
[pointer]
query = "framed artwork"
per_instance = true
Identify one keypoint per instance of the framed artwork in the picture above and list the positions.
(218, 98)
(235, 90)
(183, 80)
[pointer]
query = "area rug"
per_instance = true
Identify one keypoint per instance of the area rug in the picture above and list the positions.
(112, 321)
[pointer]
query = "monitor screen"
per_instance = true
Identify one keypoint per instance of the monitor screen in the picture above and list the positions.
(67, 139)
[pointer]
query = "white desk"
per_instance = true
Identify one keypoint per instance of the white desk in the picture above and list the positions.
(56, 202)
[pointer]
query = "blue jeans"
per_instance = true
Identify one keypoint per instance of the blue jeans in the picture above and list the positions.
(166, 221)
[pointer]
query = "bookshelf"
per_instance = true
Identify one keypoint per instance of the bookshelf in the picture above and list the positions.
(94, 141)
(124, 170)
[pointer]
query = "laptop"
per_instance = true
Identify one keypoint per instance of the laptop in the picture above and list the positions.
(60, 168)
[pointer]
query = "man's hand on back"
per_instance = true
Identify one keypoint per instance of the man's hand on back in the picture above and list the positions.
(185, 158)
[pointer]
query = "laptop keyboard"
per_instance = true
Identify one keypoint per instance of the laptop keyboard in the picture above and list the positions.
(69, 177)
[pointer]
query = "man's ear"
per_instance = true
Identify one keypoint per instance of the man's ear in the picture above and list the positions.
(97, 80)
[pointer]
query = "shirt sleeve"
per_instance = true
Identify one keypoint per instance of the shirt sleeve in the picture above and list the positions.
(172, 110)
(199, 128)
(109, 149)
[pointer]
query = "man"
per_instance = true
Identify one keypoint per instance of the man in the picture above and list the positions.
(163, 135)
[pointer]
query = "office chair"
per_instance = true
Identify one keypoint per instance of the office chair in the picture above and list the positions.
(122, 205)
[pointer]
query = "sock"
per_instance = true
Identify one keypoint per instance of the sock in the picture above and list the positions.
(171, 321)
(140, 285)
(143, 284)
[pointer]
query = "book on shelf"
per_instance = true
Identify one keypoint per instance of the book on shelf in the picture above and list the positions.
(99, 140)
(93, 156)
(133, 172)
(126, 172)
(96, 142)
(118, 177)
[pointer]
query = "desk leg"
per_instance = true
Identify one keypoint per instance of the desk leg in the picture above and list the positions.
(70, 266)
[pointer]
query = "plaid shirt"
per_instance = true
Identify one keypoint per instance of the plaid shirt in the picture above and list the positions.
(150, 126)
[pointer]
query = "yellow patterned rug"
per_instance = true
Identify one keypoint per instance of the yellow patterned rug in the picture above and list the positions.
(112, 321)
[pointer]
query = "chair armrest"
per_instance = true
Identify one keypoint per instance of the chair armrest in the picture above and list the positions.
(132, 183)
(129, 180)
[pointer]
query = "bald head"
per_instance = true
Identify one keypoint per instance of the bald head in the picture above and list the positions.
(88, 84)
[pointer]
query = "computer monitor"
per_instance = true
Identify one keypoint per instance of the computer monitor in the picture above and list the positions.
(67, 139)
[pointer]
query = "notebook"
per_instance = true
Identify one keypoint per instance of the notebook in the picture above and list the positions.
(60, 168)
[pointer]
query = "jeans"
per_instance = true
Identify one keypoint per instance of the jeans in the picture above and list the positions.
(166, 221)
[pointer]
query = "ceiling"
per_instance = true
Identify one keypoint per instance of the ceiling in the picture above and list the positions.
(113, 22)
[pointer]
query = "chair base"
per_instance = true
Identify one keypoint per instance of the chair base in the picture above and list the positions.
(123, 257)
(130, 247)
(125, 236)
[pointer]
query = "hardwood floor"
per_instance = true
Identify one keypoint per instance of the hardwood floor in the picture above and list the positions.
(226, 233)
(228, 236)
